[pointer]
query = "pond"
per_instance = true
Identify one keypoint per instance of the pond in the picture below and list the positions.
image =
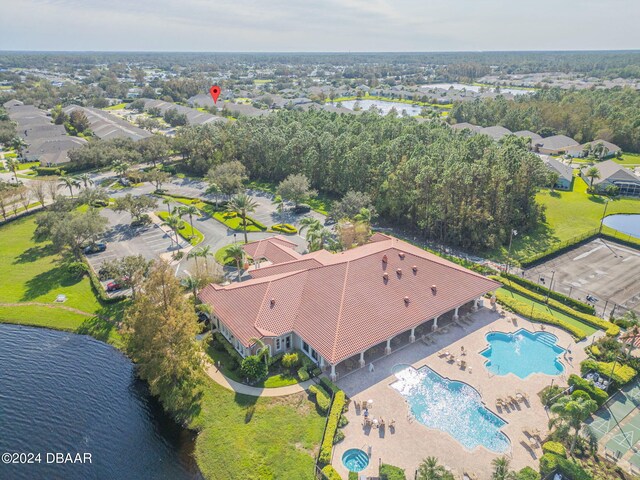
(627, 224)
(476, 88)
(67, 393)
(383, 106)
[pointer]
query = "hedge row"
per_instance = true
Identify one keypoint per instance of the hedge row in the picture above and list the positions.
(303, 375)
(555, 448)
(233, 353)
(329, 385)
(322, 399)
(330, 473)
(558, 248)
(597, 394)
(337, 407)
(621, 374)
(524, 309)
(571, 302)
(550, 463)
(285, 228)
(611, 329)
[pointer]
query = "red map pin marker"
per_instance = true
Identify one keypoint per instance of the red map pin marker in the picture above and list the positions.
(215, 93)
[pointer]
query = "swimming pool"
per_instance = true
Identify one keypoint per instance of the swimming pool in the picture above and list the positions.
(355, 460)
(523, 353)
(452, 407)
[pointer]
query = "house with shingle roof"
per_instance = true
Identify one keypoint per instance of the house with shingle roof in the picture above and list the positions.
(612, 173)
(338, 308)
(564, 172)
(581, 151)
(496, 132)
(554, 145)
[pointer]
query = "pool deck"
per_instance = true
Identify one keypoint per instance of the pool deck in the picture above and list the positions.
(410, 442)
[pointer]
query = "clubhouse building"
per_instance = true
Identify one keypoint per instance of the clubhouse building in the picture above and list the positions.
(344, 309)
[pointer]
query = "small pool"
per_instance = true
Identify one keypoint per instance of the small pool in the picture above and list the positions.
(523, 353)
(628, 224)
(452, 407)
(355, 460)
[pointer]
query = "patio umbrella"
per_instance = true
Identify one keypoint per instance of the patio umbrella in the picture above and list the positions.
(370, 403)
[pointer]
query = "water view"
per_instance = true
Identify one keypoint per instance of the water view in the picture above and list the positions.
(383, 106)
(628, 224)
(67, 393)
(476, 88)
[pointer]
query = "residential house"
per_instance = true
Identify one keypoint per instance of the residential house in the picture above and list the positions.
(612, 173)
(340, 307)
(554, 145)
(565, 172)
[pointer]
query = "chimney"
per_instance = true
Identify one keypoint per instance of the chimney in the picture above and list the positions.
(384, 259)
(399, 272)
(401, 255)
(434, 289)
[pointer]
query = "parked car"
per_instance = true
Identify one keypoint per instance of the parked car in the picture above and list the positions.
(124, 182)
(113, 286)
(95, 248)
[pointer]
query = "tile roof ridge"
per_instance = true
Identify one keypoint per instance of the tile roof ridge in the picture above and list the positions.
(337, 330)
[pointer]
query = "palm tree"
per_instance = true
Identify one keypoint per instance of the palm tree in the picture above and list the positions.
(86, 180)
(364, 215)
(191, 211)
(242, 204)
(167, 202)
(430, 469)
(262, 350)
(174, 223)
(205, 252)
(318, 238)
(191, 283)
(501, 469)
(121, 168)
(310, 224)
(66, 181)
(18, 144)
(280, 204)
(592, 173)
(571, 411)
(236, 253)
(12, 165)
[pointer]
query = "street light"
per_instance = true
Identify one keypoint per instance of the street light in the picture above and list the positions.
(606, 204)
(513, 232)
(553, 274)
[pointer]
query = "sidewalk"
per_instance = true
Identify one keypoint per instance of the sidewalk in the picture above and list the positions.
(240, 388)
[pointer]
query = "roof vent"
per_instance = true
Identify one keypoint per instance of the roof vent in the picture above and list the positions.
(414, 268)
(406, 300)
(273, 302)
(385, 275)
(401, 255)
(434, 289)
(384, 259)
(399, 271)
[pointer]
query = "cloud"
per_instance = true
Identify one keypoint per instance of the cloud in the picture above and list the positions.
(320, 25)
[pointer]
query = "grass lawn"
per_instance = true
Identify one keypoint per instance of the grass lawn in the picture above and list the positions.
(221, 254)
(628, 159)
(31, 273)
(244, 437)
(118, 106)
(569, 214)
(27, 165)
(192, 235)
(586, 328)
(235, 223)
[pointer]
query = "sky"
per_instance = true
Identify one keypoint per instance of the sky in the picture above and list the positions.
(319, 25)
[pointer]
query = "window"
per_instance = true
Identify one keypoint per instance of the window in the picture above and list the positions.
(287, 342)
(305, 346)
(314, 354)
(278, 344)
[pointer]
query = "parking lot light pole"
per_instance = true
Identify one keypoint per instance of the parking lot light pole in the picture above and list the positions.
(513, 232)
(606, 204)
(553, 274)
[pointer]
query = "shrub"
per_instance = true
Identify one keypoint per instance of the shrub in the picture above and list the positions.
(330, 473)
(339, 436)
(597, 394)
(527, 473)
(290, 360)
(322, 400)
(549, 393)
(284, 228)
(611, 329)
(332, 424)
(344, 421)
(525, 310)
(571, 302)
(595, 351)
(550, 463)
(353, 476)
(390, 472)
(302, 374)
(554, 447)
(622, 374)
(253, 368)
(276, 358)
(224, 343)
(329, 385)
(98, 289)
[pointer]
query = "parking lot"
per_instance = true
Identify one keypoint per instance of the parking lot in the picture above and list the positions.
(603, 269)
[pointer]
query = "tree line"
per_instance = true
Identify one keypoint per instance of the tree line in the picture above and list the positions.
(584, 115)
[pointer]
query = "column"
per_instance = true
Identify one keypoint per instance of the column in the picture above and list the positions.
(455, 315)
(412, 337)
(362, 359)
(387, 349)
(435, 324)
(475, 305)
(333, 373)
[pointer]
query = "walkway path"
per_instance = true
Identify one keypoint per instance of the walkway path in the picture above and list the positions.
(217, 376)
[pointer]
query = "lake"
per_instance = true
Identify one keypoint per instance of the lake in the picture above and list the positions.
(383, 106)
(476, 88)
(628, 224)
(67, 393)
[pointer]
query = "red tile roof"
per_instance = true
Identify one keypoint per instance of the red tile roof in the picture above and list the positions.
(341, 304)
(275, 249)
